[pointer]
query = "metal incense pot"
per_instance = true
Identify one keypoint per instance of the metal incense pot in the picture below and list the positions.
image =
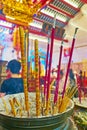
(58, 121)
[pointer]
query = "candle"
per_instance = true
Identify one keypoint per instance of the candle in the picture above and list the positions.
(37, 79)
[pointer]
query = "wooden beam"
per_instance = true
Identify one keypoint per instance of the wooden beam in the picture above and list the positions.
(61, 11)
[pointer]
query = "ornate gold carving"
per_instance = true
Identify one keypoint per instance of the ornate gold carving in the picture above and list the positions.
(21, 10)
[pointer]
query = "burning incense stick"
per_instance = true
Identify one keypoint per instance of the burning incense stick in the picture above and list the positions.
(58, 73)
(50, 63)
(71, 52)
(12, 107)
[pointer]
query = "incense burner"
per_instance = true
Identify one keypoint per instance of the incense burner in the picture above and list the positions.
(57, 121)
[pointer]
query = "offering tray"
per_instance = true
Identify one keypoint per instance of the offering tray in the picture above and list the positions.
(49, 122)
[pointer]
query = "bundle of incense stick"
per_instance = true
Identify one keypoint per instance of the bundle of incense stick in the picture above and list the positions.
(63, 103)
(71, 91)
(17, 103)
(24, 57)
(12, 107)
(14, 103)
